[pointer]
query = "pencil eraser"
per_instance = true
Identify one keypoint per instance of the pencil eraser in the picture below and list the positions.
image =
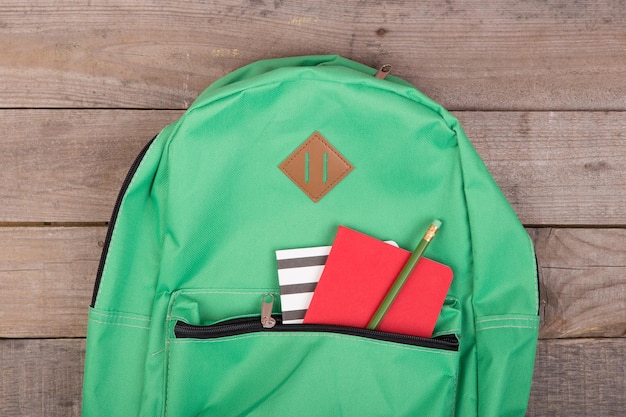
(437, 223)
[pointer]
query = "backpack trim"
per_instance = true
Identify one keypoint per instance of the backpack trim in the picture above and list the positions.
(116, 209)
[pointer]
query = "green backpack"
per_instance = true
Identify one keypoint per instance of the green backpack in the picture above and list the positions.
(277, 155)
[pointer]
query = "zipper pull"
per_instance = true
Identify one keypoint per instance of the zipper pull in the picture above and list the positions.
(267, 303)
(383, 71)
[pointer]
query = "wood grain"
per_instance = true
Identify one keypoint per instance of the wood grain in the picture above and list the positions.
(583, 281)
(47, 276)
(41, 377)
(507, 55)
(46, 280)
(578, 377)
(68, 165)
(556, 168)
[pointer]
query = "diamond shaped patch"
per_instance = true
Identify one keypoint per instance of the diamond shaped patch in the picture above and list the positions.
(316, 167)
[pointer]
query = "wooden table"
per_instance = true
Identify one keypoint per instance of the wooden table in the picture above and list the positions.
(539, 86)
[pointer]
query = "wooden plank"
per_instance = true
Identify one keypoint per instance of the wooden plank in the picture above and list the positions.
(47, 276)
(502, 54)
(41, 377)
(68, 165)
(556, 168)
(579, 377)
(583, 282)
(46, 279)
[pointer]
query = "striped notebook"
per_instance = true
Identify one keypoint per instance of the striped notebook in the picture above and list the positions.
(298, 273)
(299, 270)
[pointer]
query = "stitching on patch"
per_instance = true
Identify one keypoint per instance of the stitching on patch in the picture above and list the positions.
(317, 136)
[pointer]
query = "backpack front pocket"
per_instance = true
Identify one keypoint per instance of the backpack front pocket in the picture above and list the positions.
(238, 367)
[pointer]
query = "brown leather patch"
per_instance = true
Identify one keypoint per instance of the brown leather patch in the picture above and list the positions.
(316, 167)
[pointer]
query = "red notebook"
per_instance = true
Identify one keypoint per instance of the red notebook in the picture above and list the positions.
(358, 273)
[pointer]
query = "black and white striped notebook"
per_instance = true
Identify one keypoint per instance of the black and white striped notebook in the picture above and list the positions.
(299, 270)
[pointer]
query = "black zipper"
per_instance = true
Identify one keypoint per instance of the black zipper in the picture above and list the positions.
(116, 209)
(253, 325)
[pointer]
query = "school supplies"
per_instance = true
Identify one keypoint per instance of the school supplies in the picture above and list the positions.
(400, 280)
(358, 274)
(299, 270)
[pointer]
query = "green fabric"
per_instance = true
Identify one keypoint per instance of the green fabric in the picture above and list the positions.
(208, 206)
(297, 374)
